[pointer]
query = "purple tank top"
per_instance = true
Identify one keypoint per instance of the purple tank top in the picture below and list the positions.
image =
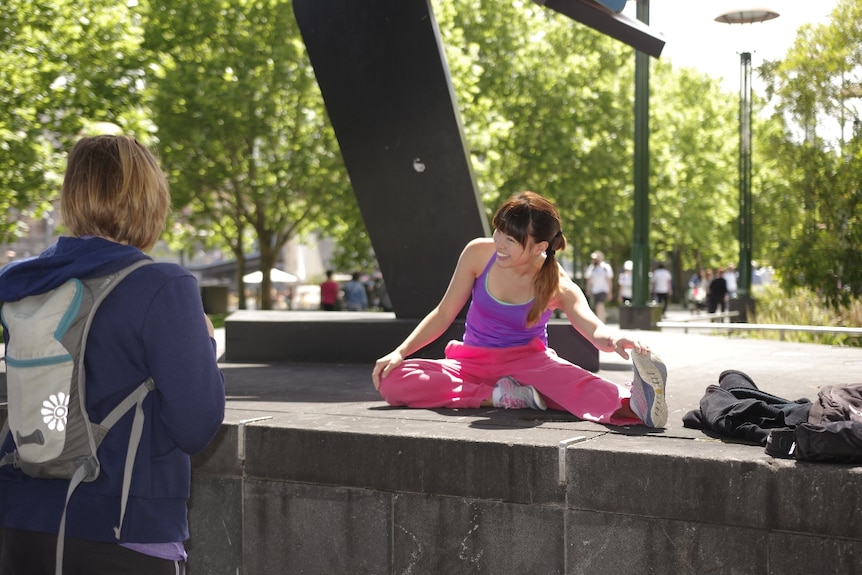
(492, 323)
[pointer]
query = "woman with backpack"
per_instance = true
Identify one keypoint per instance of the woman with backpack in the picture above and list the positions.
(114, 203)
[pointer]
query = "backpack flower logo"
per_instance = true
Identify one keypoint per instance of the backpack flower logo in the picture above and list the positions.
(55, 410)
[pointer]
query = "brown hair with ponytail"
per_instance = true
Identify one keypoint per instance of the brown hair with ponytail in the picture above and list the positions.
(529, 215)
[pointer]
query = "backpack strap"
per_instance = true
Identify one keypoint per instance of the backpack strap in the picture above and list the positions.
(79, 476)
(135, 398)
(105, 287)
(9, 458)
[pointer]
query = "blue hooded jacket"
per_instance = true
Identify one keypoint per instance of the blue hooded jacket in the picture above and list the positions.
(152, 324)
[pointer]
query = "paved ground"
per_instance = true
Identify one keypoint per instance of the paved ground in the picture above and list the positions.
(339, 395)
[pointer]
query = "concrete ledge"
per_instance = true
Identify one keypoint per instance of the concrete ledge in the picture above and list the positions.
(358, 337)
(312, 473)
(324, 496)
(719, 483)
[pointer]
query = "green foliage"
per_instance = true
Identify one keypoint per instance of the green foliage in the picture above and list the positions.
(824, 251)
(819, 200)
(242, 125)
(63, 63)
(225, 90)
(694, 139)
(542, 115)
(805, 307)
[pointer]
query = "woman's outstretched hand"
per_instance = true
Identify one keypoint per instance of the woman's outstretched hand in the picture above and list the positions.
(384, 366)
(621, 344)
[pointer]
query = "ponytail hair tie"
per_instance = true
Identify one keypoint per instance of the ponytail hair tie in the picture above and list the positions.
(550, 252)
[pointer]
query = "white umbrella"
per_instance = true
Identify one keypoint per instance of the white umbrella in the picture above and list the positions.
(276, 275)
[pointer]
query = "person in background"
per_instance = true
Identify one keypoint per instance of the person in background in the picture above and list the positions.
(624, 284)
(756, 278)
(599, 276)
(731, 279)
(114, 201)
(662, 282)
(355, 294)
(329, 291)
(514, 284)
(718, 294)
(697, 287)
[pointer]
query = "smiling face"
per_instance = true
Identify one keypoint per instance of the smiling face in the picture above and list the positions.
(516, 237)
(510, 252)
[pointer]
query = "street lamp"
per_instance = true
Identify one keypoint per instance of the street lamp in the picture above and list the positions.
(640, 315)
(640, 239)
(745, 16)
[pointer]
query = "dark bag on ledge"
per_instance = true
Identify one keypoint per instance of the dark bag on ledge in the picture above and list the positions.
(833, 432)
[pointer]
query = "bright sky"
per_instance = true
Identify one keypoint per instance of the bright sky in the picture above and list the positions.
(694, 39)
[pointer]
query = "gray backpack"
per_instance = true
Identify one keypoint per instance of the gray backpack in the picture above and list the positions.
(47, 415)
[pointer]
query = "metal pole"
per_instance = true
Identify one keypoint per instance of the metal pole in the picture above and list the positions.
(640, 239)
(745, 200)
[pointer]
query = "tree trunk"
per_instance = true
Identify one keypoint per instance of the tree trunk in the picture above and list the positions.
(268, 257)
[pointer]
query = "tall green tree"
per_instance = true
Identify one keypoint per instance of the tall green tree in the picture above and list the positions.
(694, 139)
(548, 105)
(241, 124)
(816, 90)
(64, 65)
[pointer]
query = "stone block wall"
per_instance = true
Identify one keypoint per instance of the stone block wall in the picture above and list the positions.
(316, 501)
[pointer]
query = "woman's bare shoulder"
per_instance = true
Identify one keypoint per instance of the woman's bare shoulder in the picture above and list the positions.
(488, 243)
(480, 247)
(567, 287)
(477, 253)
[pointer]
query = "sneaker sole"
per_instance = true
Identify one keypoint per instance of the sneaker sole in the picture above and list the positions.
(537, 398)
(654, 392)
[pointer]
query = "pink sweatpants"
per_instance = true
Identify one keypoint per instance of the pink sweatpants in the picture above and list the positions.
(468, 375)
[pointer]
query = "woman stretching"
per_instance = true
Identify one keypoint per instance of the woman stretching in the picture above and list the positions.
(504, 361)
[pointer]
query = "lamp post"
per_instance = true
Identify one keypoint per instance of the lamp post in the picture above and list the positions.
(640, 315)
(749, 16)
(640, 239)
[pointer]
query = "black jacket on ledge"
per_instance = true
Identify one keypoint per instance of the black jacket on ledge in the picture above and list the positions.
(828, 430)
(737, 409)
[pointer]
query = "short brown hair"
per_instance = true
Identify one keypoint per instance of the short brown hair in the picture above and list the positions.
(115, 189)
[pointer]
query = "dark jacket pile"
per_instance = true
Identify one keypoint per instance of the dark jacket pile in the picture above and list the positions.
(827, 430)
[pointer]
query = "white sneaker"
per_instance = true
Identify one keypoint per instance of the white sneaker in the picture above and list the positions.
(510, 394)
(648, 397)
